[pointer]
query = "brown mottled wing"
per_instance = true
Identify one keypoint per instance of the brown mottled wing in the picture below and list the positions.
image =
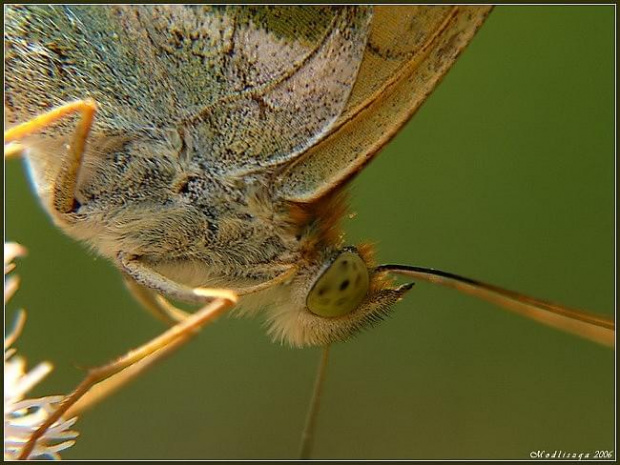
(247, 86)
(409, 50)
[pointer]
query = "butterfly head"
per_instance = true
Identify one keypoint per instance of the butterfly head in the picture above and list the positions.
(335, 299)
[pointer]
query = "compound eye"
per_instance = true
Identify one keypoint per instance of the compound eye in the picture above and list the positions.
(341, 287)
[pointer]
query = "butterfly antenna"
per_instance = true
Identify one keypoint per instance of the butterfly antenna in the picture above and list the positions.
(307, 437)
(594, 328)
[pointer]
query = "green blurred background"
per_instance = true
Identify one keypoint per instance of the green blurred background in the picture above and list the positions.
(506, 175)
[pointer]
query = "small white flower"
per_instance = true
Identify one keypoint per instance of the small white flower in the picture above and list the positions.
(22, 417)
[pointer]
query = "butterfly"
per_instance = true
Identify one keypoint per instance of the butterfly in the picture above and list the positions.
(335, 259)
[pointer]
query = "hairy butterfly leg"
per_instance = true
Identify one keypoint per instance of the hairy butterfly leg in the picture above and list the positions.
(65, 183)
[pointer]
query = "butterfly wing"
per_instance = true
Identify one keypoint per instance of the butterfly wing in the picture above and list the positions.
(249, 86)
(408, 51)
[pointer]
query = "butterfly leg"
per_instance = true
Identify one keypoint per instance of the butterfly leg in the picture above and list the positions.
(143, 274)
(156, 304)
(65, 184)
(100, 382)
(13, 150)
(141, 280)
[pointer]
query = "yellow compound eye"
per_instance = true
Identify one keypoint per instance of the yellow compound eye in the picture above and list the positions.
(341, 287)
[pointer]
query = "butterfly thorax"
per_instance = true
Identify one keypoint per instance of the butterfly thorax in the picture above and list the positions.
(151, 197)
